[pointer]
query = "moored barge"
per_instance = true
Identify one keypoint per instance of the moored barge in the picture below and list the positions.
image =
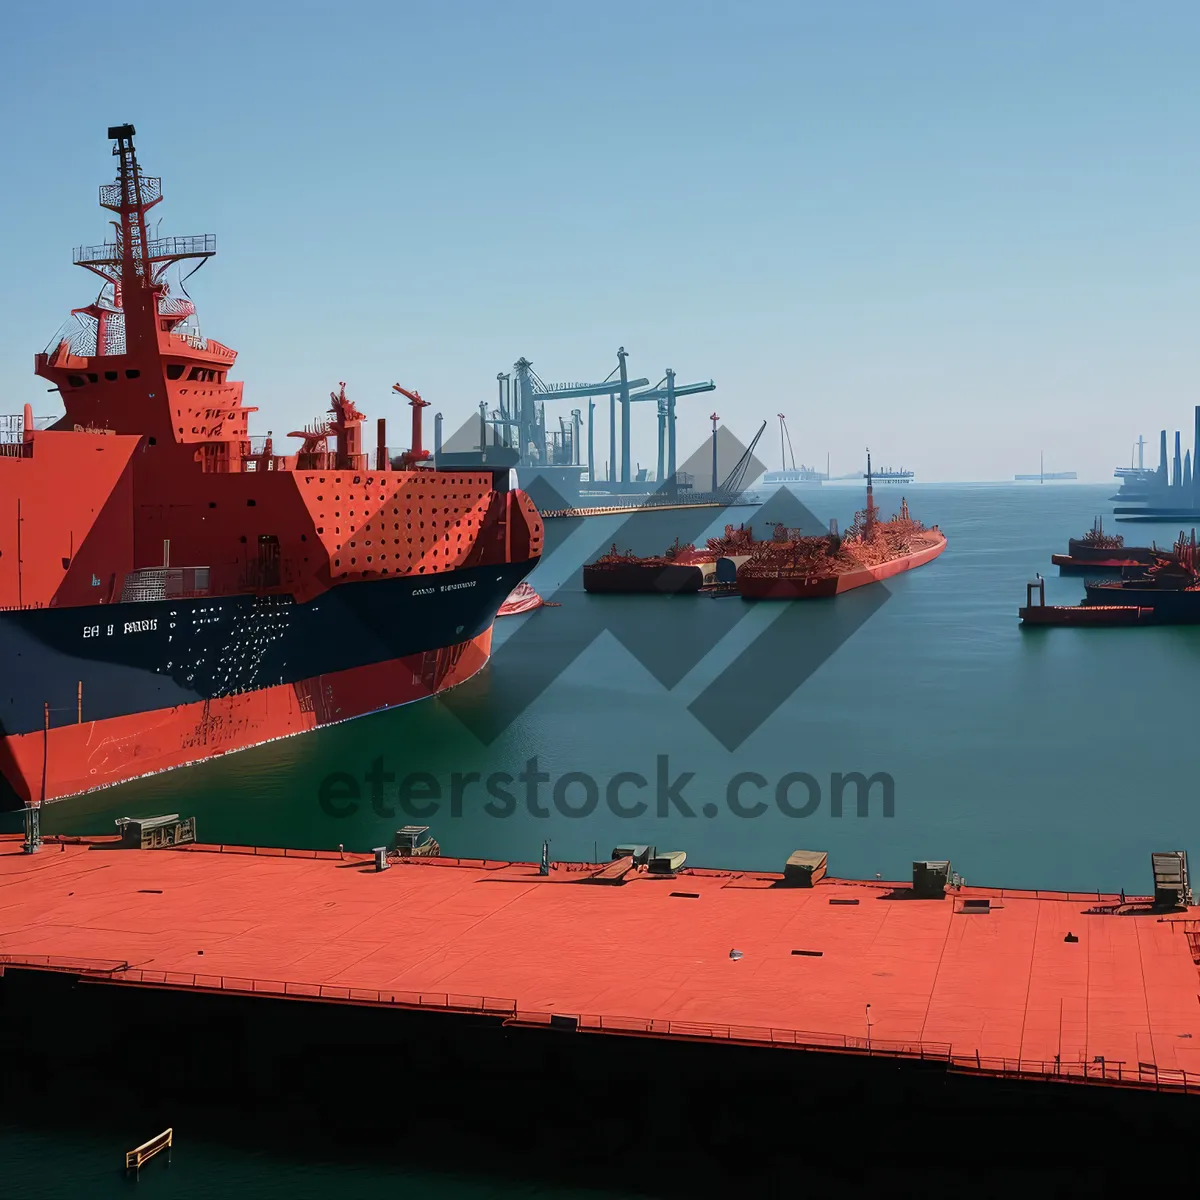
(698, 1011)
(1102, 552)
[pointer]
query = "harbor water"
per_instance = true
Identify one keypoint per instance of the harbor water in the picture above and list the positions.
(1032, 758)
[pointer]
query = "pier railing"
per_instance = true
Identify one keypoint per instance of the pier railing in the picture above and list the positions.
(1100, 1070)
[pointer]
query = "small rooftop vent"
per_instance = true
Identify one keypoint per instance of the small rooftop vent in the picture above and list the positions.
(668, 862)
(156, 833)
(411, 842)
(805, 868)
(640, 854)
(1171, 885)
(930, 879)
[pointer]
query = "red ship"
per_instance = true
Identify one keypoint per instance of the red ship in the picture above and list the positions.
(172, 589)
(795, 567)
(682, 569)
(1100, 551)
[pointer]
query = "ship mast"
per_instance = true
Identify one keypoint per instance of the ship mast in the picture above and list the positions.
(134, 264)
(870, 521)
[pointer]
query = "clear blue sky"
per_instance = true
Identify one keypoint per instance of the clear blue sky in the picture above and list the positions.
(956, 232)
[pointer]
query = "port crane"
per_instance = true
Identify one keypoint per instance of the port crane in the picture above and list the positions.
(665, 393)
(528, 393)
(734, 480)
(522, 395)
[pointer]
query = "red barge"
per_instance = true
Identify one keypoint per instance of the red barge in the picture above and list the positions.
(712, 1005)
(1100, 551)
(682, 569)
(172, 589)
(1167, 592)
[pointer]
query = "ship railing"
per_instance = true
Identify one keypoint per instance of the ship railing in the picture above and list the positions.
(320, 460)
(165, 583)
(58, 962)
(109, 253)
(1145, 1075)
(20, 449)
(111, 194)
(12, 426)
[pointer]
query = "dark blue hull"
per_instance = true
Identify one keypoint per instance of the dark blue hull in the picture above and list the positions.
(1169, 606)
(112, 660)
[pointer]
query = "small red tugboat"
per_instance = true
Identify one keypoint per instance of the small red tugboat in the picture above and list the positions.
(172, 588)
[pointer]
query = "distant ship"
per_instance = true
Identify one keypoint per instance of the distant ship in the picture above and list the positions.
(799, 474)
(885, 476)
(1043, 475)
(1136, 481)
(1136, 484)
(792, 474)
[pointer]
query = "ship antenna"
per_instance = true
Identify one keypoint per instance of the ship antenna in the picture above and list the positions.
(131, 197)
(134, 263)
(870, 494)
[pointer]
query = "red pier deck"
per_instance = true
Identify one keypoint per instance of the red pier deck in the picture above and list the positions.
(992, 987)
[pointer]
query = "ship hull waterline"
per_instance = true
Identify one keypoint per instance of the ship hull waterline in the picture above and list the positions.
(778, 587)
(1167, 606)
(634, 578)
(131, 712)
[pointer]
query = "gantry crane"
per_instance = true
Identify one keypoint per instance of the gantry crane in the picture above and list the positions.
(666, 393)
(529, 392)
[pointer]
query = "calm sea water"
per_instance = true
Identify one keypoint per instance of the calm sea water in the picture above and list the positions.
(1030, 758)
(48, 1161)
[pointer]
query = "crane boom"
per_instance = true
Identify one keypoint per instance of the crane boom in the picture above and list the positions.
(736, 477)
(586, 389)
(687, 389)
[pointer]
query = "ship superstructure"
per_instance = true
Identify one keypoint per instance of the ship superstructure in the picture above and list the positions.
(172, 588)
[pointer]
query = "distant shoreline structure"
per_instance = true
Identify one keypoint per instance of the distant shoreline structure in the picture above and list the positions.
(1043, 474)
